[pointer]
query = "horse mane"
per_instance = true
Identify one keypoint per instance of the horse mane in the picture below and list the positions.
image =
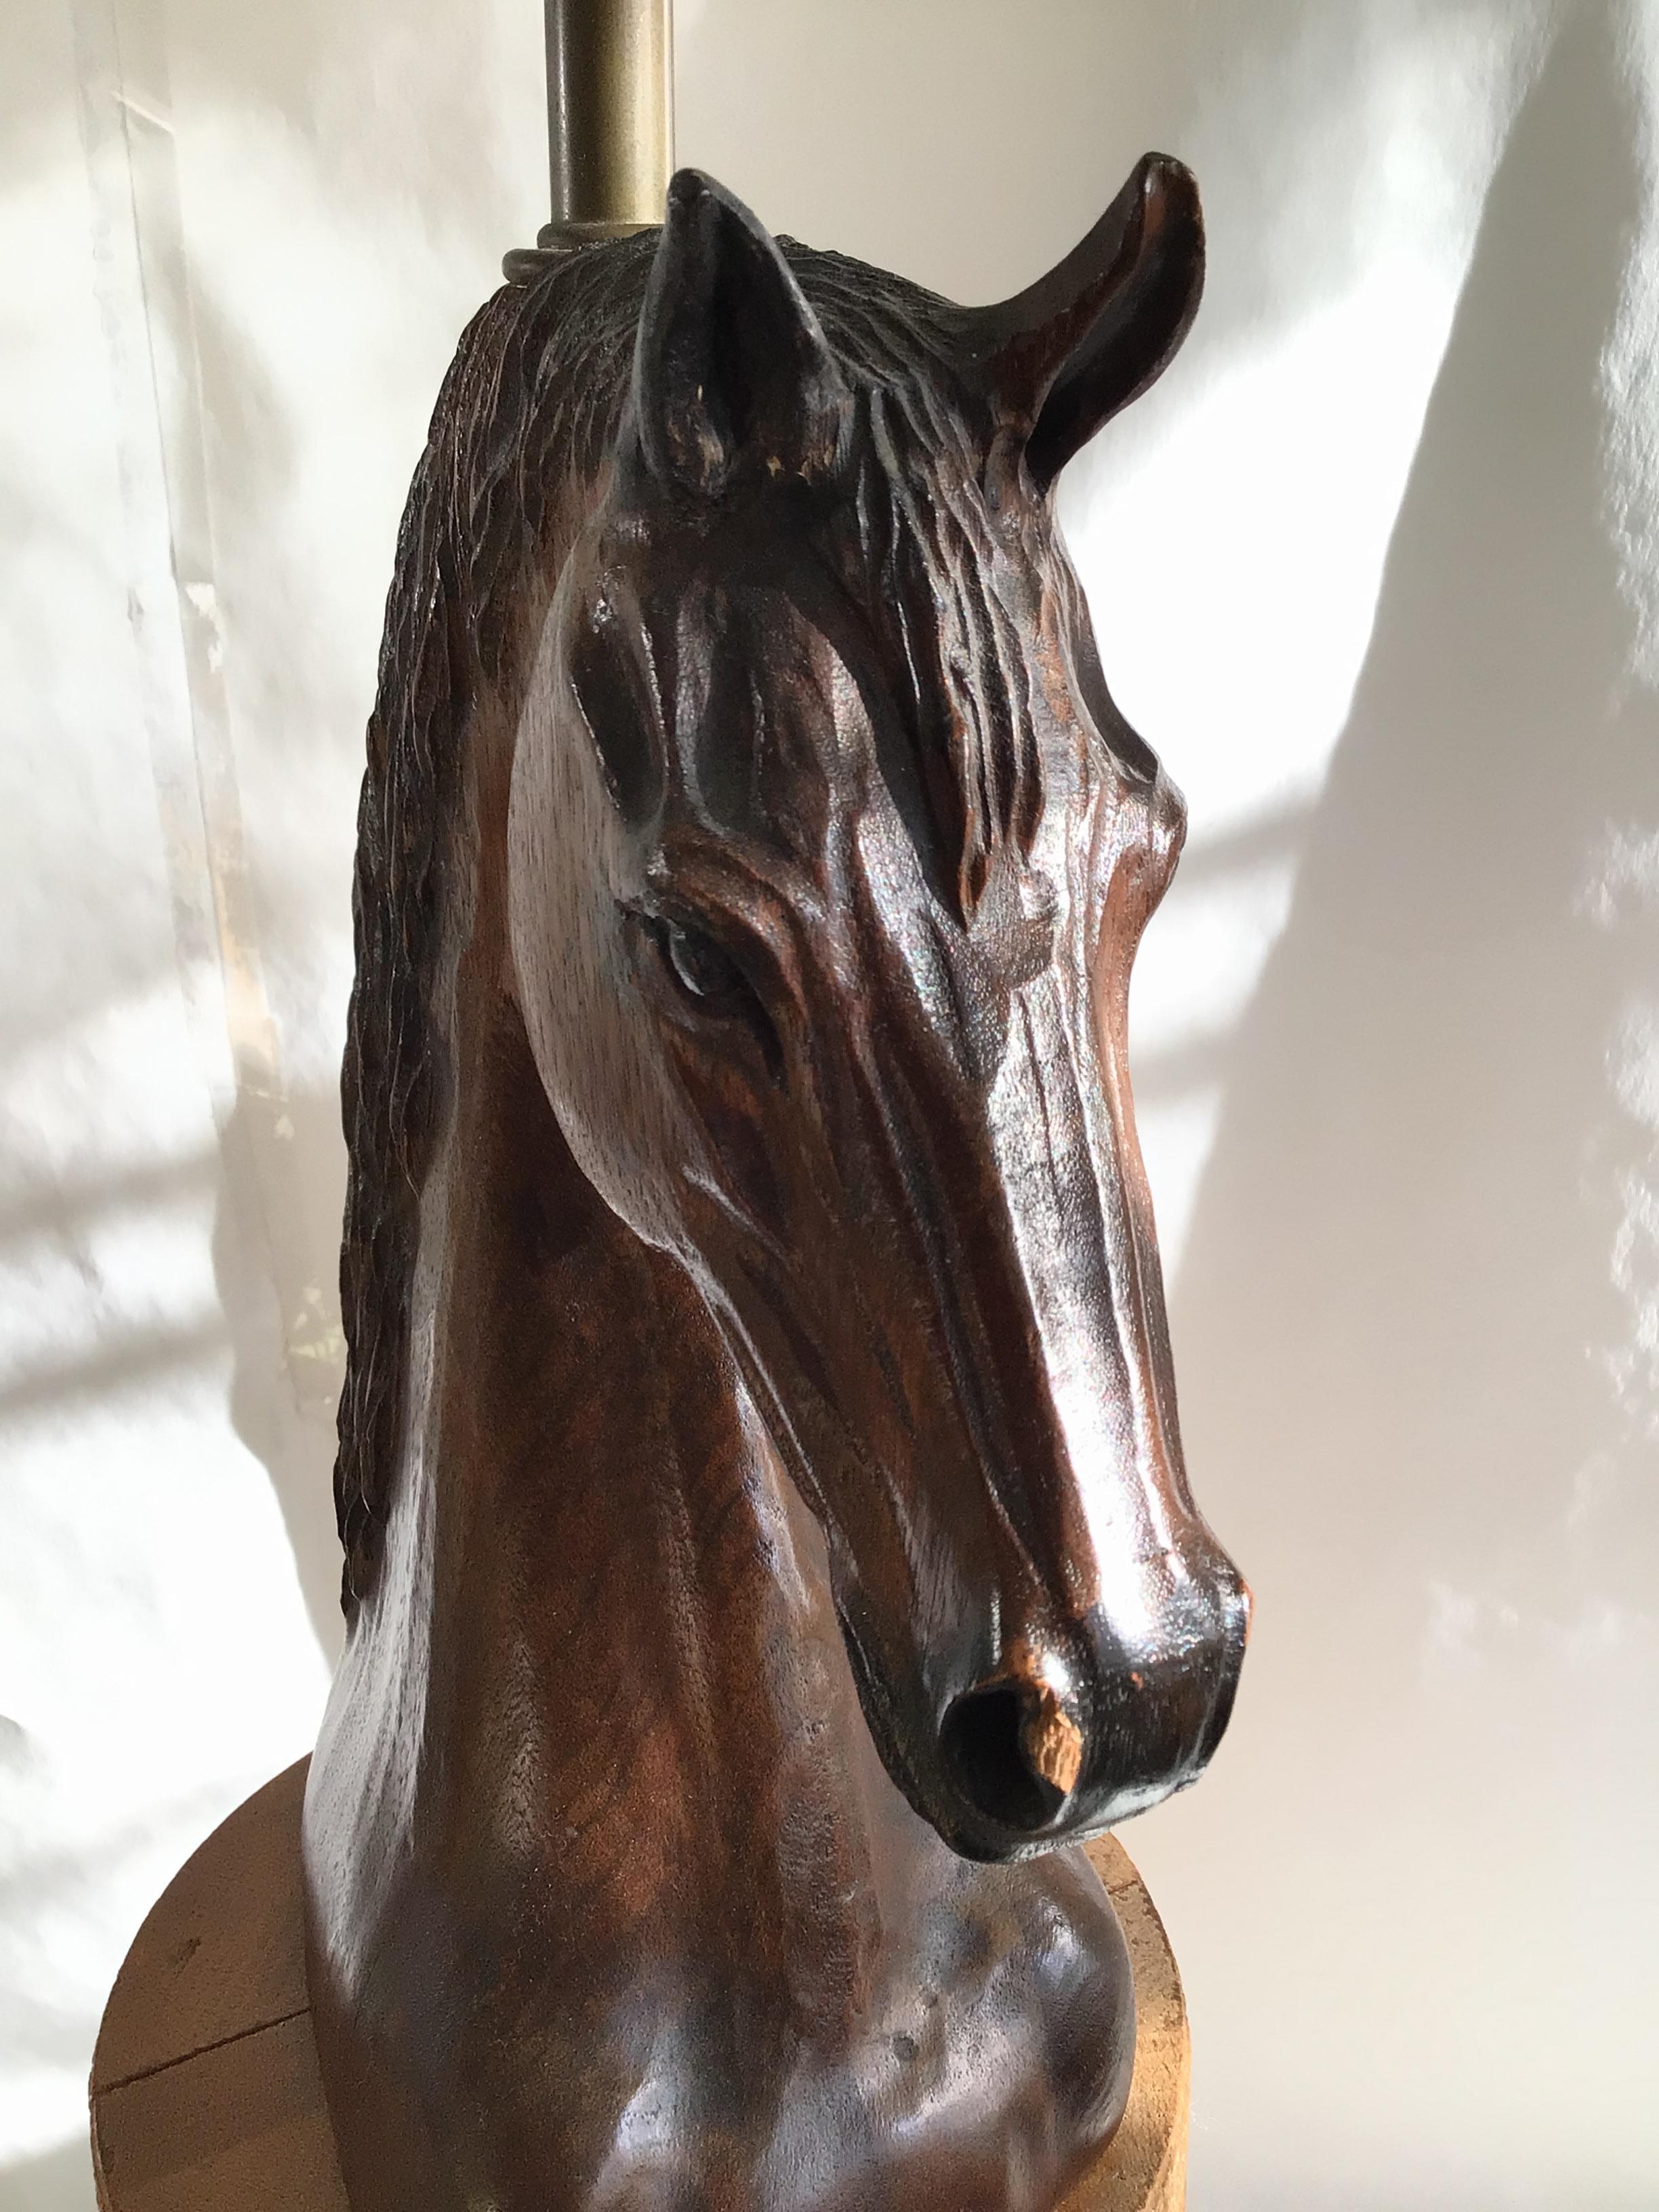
(532, 403)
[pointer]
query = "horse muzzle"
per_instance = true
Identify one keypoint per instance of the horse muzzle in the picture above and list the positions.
(1070, 1733)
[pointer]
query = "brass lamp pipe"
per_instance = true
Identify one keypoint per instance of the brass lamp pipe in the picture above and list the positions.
(610, 116)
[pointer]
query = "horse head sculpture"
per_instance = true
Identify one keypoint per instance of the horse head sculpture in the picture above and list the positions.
(752, 863)
(827, 870)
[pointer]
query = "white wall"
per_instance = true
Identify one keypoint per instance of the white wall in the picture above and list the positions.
(1375, 570)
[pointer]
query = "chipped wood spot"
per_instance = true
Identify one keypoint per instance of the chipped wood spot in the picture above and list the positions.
(1054, 1743)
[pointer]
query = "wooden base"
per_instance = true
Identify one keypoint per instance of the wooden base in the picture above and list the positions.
(206, 2095)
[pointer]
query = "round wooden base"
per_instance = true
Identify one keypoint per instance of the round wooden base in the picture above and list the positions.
(205, 2095)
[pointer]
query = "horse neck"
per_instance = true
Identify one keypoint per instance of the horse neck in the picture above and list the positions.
(614, 1603)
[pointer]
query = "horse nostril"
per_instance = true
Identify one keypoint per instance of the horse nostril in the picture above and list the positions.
(1015, 1751)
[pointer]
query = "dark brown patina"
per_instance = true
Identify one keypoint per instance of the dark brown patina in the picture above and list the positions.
(767, 1544)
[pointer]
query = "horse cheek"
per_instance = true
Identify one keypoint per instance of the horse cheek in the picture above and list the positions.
(590, 1032)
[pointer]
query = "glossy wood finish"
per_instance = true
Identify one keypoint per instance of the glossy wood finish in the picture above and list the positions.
(768, 1551)
(205, 2092)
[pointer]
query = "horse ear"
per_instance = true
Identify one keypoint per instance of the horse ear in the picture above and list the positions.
(732, 374)
(1091, 334)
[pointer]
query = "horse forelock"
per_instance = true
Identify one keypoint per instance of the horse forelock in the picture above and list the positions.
(947, 584)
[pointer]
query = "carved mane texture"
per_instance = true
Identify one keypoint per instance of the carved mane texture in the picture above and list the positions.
(533, 393)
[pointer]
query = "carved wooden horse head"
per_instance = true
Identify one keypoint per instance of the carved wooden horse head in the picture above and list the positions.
(752, 861)
(827, 871)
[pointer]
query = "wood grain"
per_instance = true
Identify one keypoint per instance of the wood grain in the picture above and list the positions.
(205, 2092)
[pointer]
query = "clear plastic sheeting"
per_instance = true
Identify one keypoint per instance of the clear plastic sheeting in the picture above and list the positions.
(1374, 569)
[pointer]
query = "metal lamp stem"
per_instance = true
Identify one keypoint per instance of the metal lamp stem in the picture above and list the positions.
(610, 116)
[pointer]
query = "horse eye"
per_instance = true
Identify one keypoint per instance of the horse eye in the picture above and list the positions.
(712, 980)
(699, 966)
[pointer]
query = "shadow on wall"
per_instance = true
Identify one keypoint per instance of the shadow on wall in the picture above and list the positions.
(61, 2181)
(288, 1366)
(1411, 1310)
